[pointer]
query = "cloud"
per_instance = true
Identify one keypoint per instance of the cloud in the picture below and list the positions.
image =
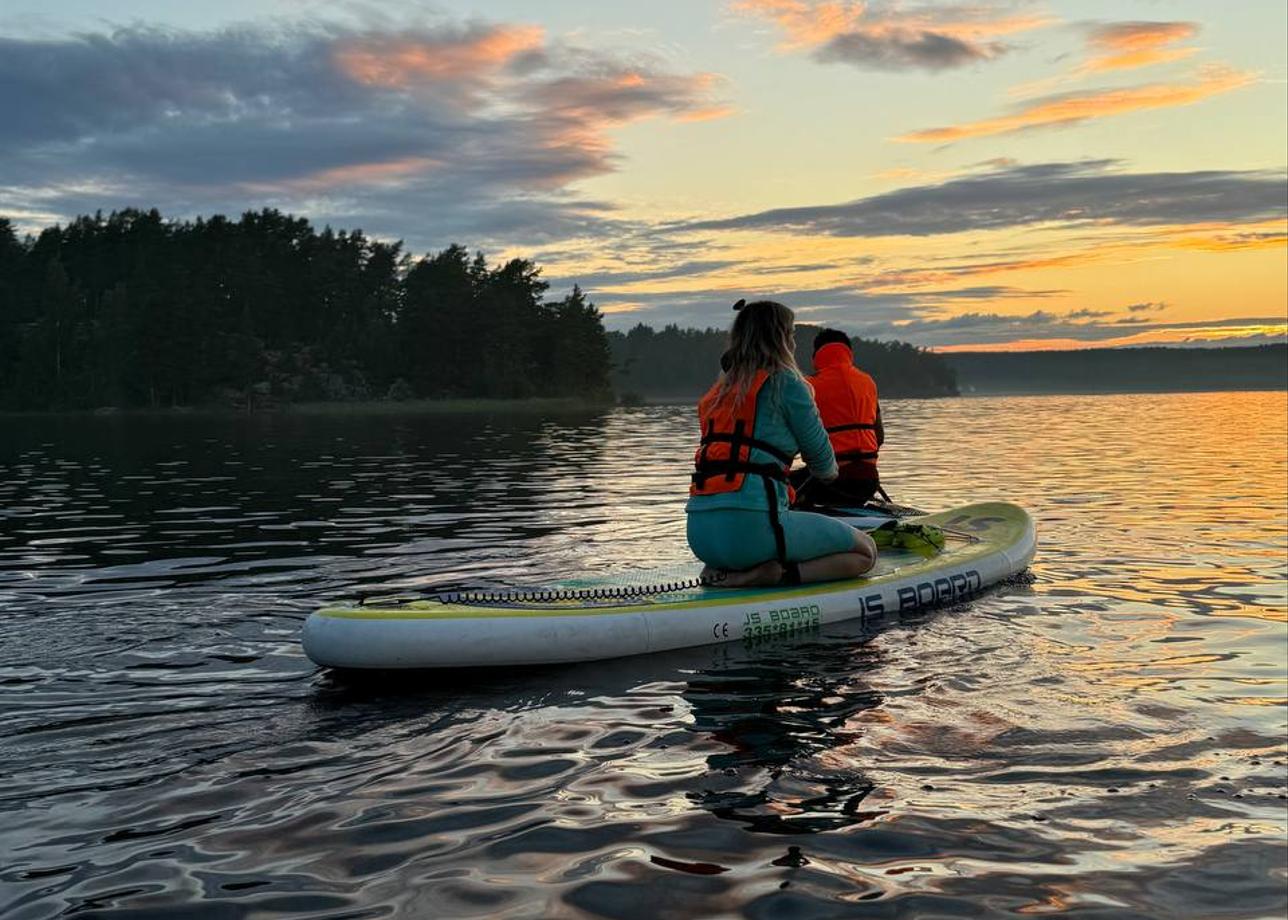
(864, 311)
(993, 323)
(1065, 193)
(422, 132)
(940, 318)
(1077, 328)
(989, 292)
(601, 280)
(890, 36)
(1225, 242)
(1047, 332)
(1127, 45)
(1118, 46)
(909, 317)
(1073, 108)
(708, 306)
(398, 61)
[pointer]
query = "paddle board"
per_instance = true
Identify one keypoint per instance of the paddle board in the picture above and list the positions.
(985, 544)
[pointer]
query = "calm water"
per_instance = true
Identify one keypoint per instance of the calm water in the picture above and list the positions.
(1107, 741)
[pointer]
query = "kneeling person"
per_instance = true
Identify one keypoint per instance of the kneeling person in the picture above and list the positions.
(754, 420)
(847, 403)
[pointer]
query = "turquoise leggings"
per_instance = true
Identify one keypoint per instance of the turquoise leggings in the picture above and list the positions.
(735, 538)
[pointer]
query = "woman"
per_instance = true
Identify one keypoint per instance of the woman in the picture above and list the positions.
(755, 418)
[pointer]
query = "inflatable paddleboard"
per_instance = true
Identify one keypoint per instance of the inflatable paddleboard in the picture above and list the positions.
(985, 543)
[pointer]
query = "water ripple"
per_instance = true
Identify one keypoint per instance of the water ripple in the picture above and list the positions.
(1105, 739)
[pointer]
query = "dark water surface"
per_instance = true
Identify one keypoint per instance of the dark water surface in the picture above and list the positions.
(1108, 741)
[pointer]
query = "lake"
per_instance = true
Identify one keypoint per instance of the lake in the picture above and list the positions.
(1103, 739)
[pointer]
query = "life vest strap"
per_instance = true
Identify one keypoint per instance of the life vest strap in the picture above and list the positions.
(856, 426)
(711, 468)
(776, 525)
(737, 439)
(847, 456)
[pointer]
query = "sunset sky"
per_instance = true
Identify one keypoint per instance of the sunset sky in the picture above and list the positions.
(958, 175)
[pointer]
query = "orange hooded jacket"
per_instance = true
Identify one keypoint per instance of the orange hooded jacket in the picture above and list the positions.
(847, 403)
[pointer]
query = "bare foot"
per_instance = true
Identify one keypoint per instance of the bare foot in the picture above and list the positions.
(765, 574)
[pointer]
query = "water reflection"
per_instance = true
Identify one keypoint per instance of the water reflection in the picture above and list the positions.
(787, 725)
(1107, 740)
(261, 497)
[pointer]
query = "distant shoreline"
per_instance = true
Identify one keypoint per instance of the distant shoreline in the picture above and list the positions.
(552, 405)
(1099, 371)
(650, 400)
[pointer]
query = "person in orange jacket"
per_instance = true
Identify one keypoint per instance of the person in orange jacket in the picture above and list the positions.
(847, 403)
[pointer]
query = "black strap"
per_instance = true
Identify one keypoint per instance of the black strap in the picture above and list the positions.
(730, 468)
(735, 446)
(846, 456)
(737, 439)
(780, 538)
(703, 444)
(857, 426)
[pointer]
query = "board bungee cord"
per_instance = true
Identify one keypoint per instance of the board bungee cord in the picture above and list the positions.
(541, 596)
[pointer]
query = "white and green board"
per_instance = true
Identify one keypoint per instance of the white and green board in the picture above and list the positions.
(986, 543)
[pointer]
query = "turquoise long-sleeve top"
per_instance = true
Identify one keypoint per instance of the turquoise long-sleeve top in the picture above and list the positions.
(787, 418)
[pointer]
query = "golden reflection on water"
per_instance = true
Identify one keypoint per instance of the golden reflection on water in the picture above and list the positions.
(1160, 574)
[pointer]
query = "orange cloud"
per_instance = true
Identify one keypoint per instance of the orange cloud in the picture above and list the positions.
(904, 279)
(623, 306)
(1126, 45)
(384, 172)
(710, 113)
(579, 109)
(1078, 107)
(1119, 46)
(806, 24)
(889, 36)
(399, 62)
(1225, 242)
(973, 25)
(1124, 250)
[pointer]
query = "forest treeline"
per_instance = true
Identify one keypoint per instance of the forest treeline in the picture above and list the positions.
(679, 363)
(135, 310)
(132, 310)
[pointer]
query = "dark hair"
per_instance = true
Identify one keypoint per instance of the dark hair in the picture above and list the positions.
(829, 336)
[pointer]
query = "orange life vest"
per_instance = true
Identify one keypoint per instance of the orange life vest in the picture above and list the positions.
(847, 403)
(723, 459)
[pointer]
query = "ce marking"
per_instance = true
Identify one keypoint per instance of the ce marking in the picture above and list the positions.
(720, 631)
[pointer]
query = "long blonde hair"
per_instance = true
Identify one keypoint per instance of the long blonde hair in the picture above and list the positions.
(760, 340)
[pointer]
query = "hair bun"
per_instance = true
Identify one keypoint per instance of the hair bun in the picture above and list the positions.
(740, 304)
